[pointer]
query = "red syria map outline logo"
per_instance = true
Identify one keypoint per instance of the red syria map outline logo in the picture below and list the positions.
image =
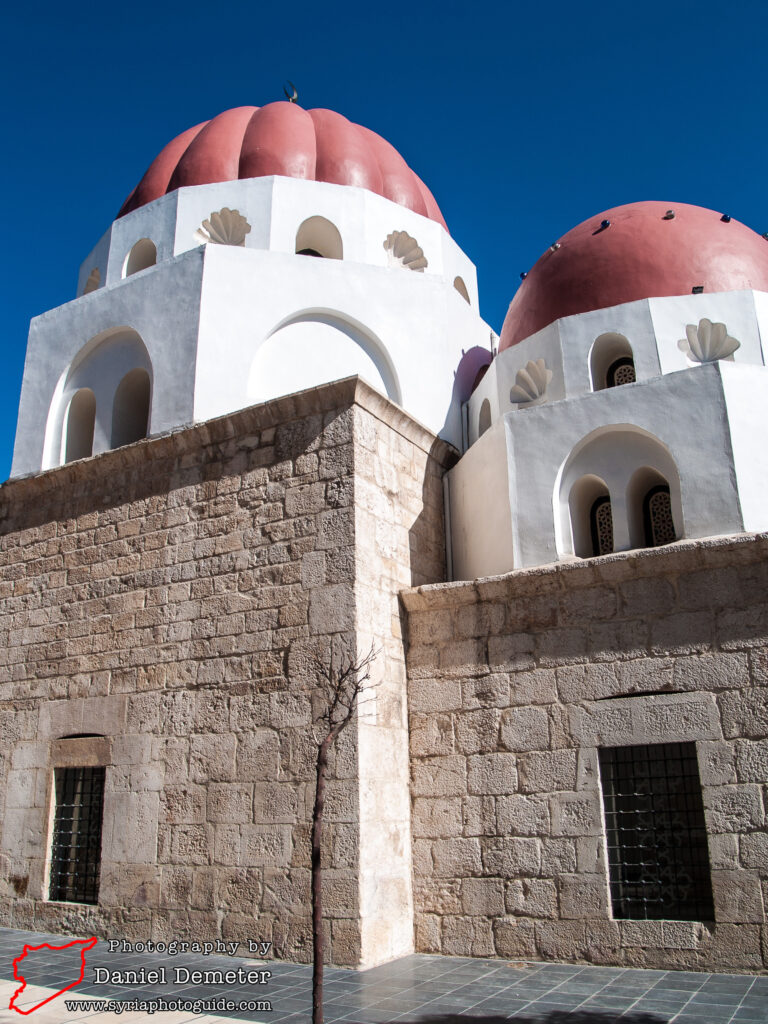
(85, 943)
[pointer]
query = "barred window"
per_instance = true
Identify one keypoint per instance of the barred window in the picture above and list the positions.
(657, 843)
(76, 854)
(657, 517)
(601, 526)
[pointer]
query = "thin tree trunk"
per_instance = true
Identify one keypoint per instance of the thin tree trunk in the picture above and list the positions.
(318, 944)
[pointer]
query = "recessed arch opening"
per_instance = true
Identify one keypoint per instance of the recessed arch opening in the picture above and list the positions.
(591, 517)
(484, 419)
(611, 362)
(461, 288)
(79, 426)
(142, 256)
(649, 509)
(130, 409)
(317, 236)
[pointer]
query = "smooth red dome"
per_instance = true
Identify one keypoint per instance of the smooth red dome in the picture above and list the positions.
(283, 138)
(640, 256)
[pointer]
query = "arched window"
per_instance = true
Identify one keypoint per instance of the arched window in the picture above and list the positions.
(130, 411)
(611, 362)
(81, 420)
(461, 288)
(141, 256)
(650, 509)
(591, 517)
(601, 526)
(318, 237)
(484, 421)
(657, 517)
(479, 376)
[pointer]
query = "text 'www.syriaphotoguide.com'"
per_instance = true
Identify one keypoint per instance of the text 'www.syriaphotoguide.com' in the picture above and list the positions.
(165, 1005)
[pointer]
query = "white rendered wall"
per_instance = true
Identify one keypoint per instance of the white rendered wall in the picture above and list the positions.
(287, 321)
(652, 328)
(480, 511)
(685, 411)
(275, 207)
(160, 304)
(746, 399)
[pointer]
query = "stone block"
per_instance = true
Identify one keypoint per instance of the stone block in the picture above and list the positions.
(491, 774)
(428, 933)
(532, 897)
(456, 858)
(711, 672)
(576, 814)
(267, 846)
(583, 896)
(511, 654)
(514, 938)
(738, 897)
(716, 762)
(478, 731)
(744, 713)
(524, 728)
(752, 761)
(212, 757)
(437, 818)
(133, 835)
(509, 858)
(479, 815)
(548, 771)
(230, 802)
(734, 808)
(435, 695)
(586, 682)
(431, 734)
(485, 691)
(275, 803)
(482, 897)
(332, 609)
(522, 816)
(754, 851)
(562, 940)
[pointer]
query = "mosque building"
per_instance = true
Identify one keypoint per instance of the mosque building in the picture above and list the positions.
(271, 425)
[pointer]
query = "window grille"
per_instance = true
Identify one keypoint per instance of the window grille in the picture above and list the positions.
(657, 517)
(657, 843)
(621, 372)
(76, 855)
(601, 526)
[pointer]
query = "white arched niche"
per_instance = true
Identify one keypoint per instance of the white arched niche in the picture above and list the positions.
(611, 360)
(319, 237)
(316, 347)
(613, 455)
(142, 256)
(113, 358)
(79, 422)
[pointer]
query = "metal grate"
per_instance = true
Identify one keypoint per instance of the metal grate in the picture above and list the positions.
(621, 372)
(601, 526)
(657, 841)
(76, 855)
(657, 517)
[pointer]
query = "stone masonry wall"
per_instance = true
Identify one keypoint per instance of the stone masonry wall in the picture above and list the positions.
(514, 684)
(169, 597)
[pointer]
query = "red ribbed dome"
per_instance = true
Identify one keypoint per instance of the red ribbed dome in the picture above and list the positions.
(640, 256)
(282, 138)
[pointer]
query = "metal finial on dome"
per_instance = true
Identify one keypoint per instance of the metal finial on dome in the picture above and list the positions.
(292, 96)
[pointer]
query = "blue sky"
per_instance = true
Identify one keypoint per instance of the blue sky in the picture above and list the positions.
(523, 118)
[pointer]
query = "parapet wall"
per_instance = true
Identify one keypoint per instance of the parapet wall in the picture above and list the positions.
(515, 682)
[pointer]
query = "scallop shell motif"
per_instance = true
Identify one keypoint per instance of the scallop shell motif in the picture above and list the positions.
(708, 342)
(404, 251)
(531, 383)
(227, 227)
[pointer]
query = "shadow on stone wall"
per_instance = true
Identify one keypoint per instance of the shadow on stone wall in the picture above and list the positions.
(426, 537)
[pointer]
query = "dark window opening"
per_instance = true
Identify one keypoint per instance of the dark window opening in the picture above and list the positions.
(76, 855)
(622, 371)
(657, 517)
(657, 842)
(601, 526)
(309, 252)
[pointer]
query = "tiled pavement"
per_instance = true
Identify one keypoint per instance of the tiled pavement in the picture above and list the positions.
(416, 989)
